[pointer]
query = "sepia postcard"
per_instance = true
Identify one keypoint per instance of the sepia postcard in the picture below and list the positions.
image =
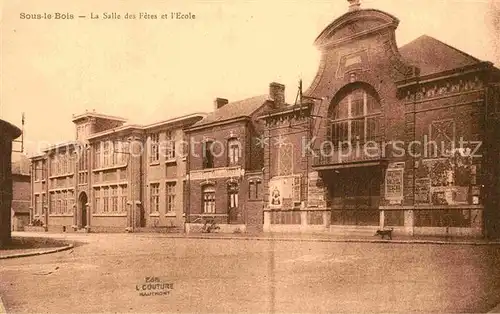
(169, 156)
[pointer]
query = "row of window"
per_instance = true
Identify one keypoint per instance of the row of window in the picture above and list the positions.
(61, 202)
(155, 148)
(154, 195)
(110, 199)
(39, 170)
(83, 161)
(209, 199)
(40, 202)
(62, 164)
(83, 177)
(211, 150)
(111, 153)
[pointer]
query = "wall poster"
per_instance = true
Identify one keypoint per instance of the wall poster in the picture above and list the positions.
(394, 183)
(423, 191)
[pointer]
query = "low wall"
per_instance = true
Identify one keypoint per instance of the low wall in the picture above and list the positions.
(464, 221)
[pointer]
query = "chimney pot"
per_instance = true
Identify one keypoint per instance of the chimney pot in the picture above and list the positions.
(277, 94)
(220, 102)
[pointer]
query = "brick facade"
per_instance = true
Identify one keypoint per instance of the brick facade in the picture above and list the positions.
(414, 98)
(102, 181)
(235, 183)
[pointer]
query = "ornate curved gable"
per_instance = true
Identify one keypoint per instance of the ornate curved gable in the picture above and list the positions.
(353, 25)
(358, 46)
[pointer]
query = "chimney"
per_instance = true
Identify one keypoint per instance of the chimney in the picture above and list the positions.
(354, 5)
(220, 102)
(277, 94)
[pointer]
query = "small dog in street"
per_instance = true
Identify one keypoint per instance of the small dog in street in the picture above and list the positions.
(383, 233)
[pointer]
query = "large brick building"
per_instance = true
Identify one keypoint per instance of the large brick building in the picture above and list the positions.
(113, 177)
(8, 133)
(225, 167)
(386, 136)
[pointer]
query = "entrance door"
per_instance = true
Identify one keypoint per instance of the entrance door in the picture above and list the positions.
(82, 204)
(355, 195)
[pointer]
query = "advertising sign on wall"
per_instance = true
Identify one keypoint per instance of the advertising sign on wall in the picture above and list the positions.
(394, 183)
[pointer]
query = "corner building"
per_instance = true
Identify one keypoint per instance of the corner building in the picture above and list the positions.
(114, 177)
(386, 137)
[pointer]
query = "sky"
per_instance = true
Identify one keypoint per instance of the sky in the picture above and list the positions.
(152, 70)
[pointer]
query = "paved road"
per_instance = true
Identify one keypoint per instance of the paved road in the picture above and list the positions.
(193, 275)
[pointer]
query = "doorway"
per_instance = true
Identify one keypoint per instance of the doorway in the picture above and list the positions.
(82, 205)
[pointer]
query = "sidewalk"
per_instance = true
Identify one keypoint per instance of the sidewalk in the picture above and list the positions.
(326, 238)
(298, 237)
(39, 245)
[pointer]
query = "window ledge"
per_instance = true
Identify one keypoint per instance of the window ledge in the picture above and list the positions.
(60, 215)
(109, 215)
(173, 214)
(69, 174)
(171, 161)
(154, 214)
(209, 215)
(154, 163)
(109, 168)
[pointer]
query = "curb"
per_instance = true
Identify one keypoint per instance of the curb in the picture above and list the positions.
(59, 249)
(437, 242)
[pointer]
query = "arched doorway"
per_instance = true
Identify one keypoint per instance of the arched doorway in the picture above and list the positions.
(82, 208)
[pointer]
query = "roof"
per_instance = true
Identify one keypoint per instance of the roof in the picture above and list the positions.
(21, 206)
(182, 119)
(233, 110)
(21, 166)
(97, 115)
(67, 144)
(433, 56)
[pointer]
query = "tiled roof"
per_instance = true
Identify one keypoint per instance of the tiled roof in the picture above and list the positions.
(233, 110)
(434, 56)
(21, 166)
(20, 206)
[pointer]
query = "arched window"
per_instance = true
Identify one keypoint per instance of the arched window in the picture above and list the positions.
(208, 193)
(356, 117)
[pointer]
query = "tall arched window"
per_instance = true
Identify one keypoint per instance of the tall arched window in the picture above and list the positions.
(356, 117)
